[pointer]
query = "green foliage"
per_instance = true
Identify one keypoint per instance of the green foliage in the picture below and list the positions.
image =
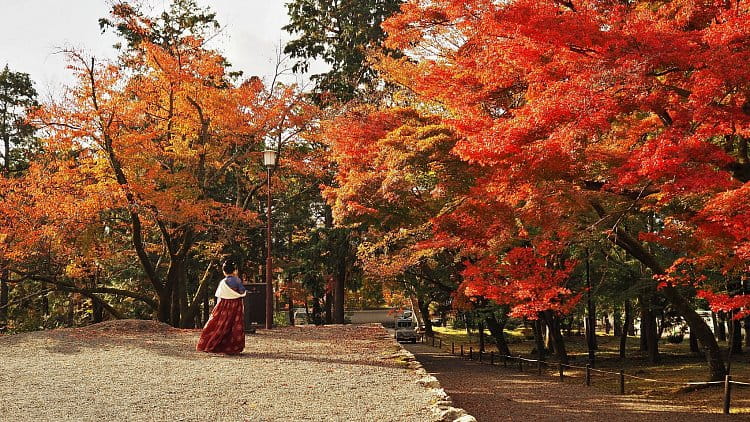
(339, 32)
(280, 319)
(184, 18)
(17, 96)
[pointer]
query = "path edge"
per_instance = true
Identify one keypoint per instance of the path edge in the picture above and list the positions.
(442, 409)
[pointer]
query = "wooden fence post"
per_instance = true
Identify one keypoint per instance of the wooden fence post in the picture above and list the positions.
(453, 348)
(492, 358)
(520, 365)
(622, 381)
(480, 355)
(462, 350)
(562, 374)
(588, 374)
(539, 365)
(433, 341)
(441, 342)
(505, 361)
(471, 353)
(727, 393)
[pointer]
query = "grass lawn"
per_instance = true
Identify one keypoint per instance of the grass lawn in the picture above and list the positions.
(678, 366)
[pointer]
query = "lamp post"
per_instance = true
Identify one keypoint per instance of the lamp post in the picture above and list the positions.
(269, 160)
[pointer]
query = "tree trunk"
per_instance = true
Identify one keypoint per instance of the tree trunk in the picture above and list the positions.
(627, 326)
(590, 314)
(649, 330)
(549, 342)
(338, 292)
(661, 324)
(722, 334)
(71, 312)
(497, 331)
(5, 274)
(205, 310)
(316, 311)
(631, 329)
(715, 322)
(329, 308)
(644, 305)
(590, 339)
(652, 339)
(165, 304)
(290, 308)
(97, 312)
(173, 286)
(747, 331)
(736, 332)
(4, 299)
(415, 310)
(607, 324)
(481, 336)
(424, 310)
(538, 339)
(617, 316)
(187, 318)
(174, 317)
(339, 276)
(693, 344)
(45, 304)
(553, 325)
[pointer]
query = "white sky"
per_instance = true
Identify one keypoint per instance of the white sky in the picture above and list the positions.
(32, 30)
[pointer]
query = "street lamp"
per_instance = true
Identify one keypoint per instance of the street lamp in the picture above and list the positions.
(269, 160)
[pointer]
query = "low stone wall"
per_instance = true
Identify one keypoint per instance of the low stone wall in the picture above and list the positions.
(443, 408)
(370, 316)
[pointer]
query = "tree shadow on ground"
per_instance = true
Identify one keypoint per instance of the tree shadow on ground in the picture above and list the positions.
(495, 393)
(346, 345)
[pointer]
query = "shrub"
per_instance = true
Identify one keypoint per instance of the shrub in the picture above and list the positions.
(675, 338)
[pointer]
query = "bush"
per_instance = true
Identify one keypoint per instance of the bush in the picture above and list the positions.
(513, 323)
(281, 319)
(458, 323)
(675, 338)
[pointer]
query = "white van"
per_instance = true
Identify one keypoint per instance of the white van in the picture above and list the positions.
(406, 329)
(300, 316)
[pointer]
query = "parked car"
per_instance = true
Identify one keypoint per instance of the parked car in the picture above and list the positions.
(300, 316)
(406, 330)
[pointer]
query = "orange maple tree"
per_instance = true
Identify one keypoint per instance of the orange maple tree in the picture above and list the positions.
(155, 155)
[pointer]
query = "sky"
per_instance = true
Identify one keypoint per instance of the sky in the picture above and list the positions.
(31, 31)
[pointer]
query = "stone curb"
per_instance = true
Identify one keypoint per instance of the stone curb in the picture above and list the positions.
(443, 407)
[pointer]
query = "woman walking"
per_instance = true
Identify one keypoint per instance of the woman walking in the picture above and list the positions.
(225, 330)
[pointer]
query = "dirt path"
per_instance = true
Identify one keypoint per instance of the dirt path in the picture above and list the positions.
(496, 394)
(145, 371)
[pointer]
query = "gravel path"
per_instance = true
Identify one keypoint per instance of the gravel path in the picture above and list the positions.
(497, 394)
(145, 371)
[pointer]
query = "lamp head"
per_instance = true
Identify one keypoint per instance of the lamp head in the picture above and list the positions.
(269, 158)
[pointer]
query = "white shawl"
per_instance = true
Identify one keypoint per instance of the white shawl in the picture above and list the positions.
(226, 292)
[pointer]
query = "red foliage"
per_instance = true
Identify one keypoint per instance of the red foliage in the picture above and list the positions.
(530, 280)
(638, 106)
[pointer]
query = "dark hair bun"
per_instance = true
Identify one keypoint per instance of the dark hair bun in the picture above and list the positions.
(229, 266)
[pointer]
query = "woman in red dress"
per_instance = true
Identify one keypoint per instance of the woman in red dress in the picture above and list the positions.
(225, 330)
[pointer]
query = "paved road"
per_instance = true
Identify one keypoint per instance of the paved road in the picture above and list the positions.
(497, 394)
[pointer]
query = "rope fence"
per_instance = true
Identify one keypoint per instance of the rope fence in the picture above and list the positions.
(437, 341)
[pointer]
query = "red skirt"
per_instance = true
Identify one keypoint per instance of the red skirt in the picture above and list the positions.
(225, 330)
